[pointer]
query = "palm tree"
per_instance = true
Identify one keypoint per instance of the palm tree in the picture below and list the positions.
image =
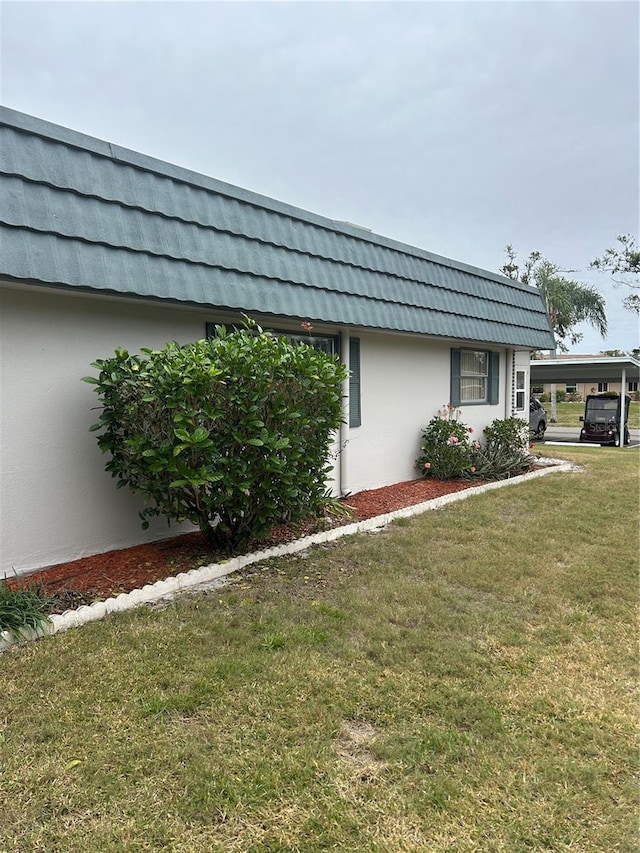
(569, 302)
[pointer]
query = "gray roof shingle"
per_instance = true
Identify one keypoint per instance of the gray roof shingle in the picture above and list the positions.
(81, 213)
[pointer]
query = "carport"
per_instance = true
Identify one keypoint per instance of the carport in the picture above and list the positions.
(604, 369)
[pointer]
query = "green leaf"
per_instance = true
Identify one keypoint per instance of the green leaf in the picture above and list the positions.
(200, 434)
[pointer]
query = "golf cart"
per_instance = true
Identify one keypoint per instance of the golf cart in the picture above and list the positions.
(601, 421)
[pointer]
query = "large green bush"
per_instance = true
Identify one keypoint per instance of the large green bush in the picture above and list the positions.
(231, 433)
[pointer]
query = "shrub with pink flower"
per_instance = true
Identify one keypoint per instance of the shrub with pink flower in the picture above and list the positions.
(446, 452)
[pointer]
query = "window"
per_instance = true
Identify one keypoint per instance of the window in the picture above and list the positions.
(571, 388)
(603, 386)
(537, 390)
(324, 343)
(633, 386)
(474, 376)
(520, 390)
(330, 345)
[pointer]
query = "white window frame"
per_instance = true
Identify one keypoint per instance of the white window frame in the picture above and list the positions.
(470, 378)
(521, 390)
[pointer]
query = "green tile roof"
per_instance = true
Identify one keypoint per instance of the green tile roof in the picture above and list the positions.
(78, 212)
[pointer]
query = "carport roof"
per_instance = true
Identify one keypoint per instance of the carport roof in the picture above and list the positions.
(605, 369)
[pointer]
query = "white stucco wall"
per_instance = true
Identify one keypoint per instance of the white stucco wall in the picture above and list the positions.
(405, 381)
(56, 501)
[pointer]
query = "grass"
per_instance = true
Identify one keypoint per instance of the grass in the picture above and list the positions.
(463, 681)
(569, 414)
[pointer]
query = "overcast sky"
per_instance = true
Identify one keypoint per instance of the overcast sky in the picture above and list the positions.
(456, 127)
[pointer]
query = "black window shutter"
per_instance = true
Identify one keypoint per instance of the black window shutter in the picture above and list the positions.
(494, 377)
(455, 377)
(355, 410)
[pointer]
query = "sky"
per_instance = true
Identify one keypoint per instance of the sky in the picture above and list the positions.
(457, 127)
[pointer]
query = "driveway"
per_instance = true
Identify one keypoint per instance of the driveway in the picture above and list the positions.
(571, 435)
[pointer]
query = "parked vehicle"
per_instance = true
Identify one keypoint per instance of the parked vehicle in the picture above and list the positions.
(537, 418)
(601, 420)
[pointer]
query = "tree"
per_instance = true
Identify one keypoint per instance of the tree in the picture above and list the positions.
(230, 433)
(623, 264)
(568, 302)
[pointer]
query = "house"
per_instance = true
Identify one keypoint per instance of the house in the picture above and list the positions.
(103, 247)
(577, 375)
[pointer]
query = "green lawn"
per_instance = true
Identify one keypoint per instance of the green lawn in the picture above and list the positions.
(465, 681)
(569, 414)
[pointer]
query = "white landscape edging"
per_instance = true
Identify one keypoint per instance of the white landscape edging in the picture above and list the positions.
(206, 576)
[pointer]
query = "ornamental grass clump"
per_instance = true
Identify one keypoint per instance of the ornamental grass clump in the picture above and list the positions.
(231, 433)
(447, 453)
(22, 609)
(505, 452)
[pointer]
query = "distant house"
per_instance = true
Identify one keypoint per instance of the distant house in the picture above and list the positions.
(103, 247)
(582, 375)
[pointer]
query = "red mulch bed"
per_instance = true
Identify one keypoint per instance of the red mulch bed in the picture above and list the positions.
(104, 575)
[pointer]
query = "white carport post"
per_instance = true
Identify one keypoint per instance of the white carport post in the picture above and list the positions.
(623, 401)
